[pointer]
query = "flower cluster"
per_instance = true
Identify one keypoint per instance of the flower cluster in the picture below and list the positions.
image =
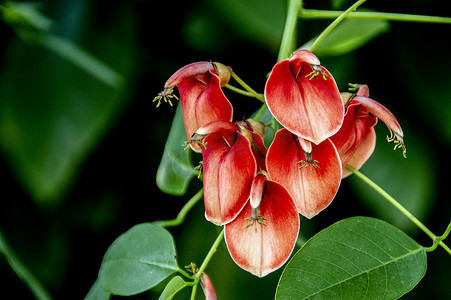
(257, 193)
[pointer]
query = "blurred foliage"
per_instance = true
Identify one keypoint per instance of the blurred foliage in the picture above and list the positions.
(81, 140)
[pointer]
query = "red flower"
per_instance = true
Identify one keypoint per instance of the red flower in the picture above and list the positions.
(311, 173)
(228, 166)
(303, 96)
(261, 238)
(201, 96)
(207, 287)
(356, 139)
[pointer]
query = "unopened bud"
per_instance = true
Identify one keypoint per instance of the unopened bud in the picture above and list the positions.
(346, 97)
(207, 287)
(224, 73)
(257, 127)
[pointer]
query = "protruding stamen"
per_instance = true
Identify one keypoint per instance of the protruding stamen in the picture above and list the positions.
(200, 168)
(199, 142)
(256, 218)
(398, 141)
(309, 161)
(165, 95)
(316, 69)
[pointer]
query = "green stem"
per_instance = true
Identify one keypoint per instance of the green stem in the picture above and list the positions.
(287, 45)
(260, 112)
(249, 91)
(21, 270)
(205, 263)
(334, 24)
(182, 214)
(400, 208)
(438, 239)
(239, 91)
(210, 254)
(331, 14)
(193, 291)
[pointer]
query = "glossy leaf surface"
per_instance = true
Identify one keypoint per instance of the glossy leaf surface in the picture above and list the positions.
(176, 170)
(172, 288)
(355, 258)
(138, 260)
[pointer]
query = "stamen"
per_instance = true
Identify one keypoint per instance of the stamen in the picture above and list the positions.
(309, 161)
(201, 144)
(398, 141)
(165, 95)
(316, 69)
(200, 168)
(256, 218)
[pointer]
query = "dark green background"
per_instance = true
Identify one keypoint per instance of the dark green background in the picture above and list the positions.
(79, 158)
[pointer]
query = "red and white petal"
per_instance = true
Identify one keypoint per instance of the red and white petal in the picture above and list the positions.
(356, 126)
(308, 107)
(229, 169)
(261, 249)
(207, 287)
(362, 153)
(197, 70)
(312, 189)
(381, 112)
(202, 104)
(257, 190)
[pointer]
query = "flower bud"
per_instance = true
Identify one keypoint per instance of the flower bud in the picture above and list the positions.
(207, 287)
(224, 73)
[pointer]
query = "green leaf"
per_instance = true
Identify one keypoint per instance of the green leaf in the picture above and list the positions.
(176, 170)
(350, 35)
(354, 258)
(174, 286)
(52, 112)
(260, 21)
(138, 260)
(97, 293)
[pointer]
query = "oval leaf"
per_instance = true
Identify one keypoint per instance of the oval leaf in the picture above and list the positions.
(355, 258)
(138, 260)
(350, 35)
(176, 170)
(174, 286)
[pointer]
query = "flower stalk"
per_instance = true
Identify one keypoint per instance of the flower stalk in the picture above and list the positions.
(437, 240)
(331, 14)
(335, 23)
(288, 42)
(184, 211)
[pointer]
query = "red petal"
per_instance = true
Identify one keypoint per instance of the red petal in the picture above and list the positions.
(310, 108)
(202, 104)
(229, 169)
(198, 70)
(380, 111)
(259, 150)
(362, 153)
(208, 287)
(257, 190)
(263, 249)
(312, 189)
(357, 124)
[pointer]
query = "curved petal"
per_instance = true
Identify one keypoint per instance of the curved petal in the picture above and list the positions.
(380, 111)
(207, 287)
(356, 126)
(259, 150)
(202, 104)
(362, 153)
(229, 169)
(196, 69)
(308, 106)
(262, 249)
(312, 188)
